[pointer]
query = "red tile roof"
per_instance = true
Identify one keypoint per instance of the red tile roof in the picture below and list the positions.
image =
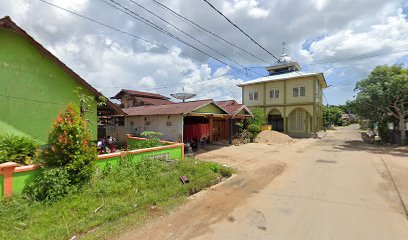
(235, 109)
(226, 103)
(138, 94)
(169, 109)
(155, 101)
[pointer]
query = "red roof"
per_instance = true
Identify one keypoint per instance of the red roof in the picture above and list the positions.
(235, 109)
(134, 93)
(155, 101)
(169, 109)
(226, 103)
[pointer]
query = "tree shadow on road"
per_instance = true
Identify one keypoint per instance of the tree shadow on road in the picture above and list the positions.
(376, 148)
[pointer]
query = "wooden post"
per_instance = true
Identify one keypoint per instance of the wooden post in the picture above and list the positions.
(7, 170)
(230, 130)
(211, 129)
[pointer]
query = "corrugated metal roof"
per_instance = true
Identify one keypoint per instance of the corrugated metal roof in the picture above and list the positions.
(235, 109)
(138, 94)
(154, 101)
(226, 103)
(283, 76)
(169, 109)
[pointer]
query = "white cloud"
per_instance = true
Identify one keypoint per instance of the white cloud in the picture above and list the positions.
(147, 82)
(251, 7)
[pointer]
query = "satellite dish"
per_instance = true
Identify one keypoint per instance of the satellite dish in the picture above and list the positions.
(183, 95)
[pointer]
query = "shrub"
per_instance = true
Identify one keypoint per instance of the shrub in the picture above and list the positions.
(52, 185)
(253, 129)
(19, 149)
(153, 138)
(259, 117)
(70, 147)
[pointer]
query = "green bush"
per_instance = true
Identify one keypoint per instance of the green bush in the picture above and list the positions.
(254, 129)
(71, 147)
(153, 138)
(52, 185)
(19, 149)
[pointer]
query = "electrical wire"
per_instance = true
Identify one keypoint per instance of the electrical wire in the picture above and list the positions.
(187, 34)
(120, 31)
(172, 85)
(138, 17)
(156, 27)
(195, 25)
(31, 100)
(242, 31)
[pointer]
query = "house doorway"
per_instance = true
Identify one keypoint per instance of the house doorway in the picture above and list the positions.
(275, 119)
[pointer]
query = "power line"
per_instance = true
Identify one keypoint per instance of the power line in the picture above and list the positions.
(136, 16)
(192, 23)
(187, 34)
(364, 56)
(31, 100)
(175, 84)
(212, 6)
(119, 30)
(356, 57)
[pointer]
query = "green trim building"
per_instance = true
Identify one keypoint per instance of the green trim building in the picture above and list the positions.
(292, 100)
(36, 86)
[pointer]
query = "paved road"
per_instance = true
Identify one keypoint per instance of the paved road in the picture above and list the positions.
(333, 188)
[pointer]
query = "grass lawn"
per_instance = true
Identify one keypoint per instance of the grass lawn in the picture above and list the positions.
(113, 201)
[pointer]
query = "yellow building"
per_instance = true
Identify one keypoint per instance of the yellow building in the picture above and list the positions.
(292, 100)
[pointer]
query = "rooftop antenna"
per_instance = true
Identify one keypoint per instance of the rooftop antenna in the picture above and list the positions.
(183, 95)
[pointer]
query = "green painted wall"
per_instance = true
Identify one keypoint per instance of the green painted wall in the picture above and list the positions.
(175, 153)
(22, 179)
(33, 89)
(209, 108)
(1, 186)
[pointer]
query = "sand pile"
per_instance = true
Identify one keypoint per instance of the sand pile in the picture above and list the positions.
(273, 137)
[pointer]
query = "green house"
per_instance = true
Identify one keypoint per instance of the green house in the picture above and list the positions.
(36, 86)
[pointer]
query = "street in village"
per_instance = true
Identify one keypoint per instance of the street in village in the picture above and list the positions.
(336, 187)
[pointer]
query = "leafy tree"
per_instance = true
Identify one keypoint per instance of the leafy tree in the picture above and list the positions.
(383, 95)
(332, 115)
(86, 102)
(259, 117)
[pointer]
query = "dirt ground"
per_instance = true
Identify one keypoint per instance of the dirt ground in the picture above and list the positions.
(331, 188)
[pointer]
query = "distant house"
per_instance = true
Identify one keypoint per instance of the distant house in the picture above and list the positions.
(184, 121)
(36, 86)
(291, 99)
(131, 98)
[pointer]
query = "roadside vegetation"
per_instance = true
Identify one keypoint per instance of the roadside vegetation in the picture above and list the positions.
(137, 188)
(70, 198)
(255, 123)
(20, 149)
(382, 98)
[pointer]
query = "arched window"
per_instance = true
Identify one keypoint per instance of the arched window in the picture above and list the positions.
(297, 119)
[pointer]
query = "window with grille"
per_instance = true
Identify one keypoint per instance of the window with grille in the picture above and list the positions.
(274, 93)
(295, 92)
(251, 96)
(297, 119)
(255, 96)
(302, 91)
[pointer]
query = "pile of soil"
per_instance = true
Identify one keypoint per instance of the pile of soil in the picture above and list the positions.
(272, 137)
